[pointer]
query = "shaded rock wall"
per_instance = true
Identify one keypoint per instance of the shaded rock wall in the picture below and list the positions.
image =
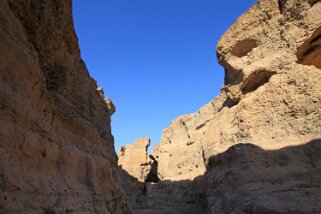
(243, 179)
(56, 147)
(165, 197)
(248, 179)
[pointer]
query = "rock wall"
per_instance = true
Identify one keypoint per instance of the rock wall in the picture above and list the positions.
(248, 179)
(56, 147)
(272, 76)
(133, 158)
(180, 153)
(272, 90)
(255, 147)
(276, 98)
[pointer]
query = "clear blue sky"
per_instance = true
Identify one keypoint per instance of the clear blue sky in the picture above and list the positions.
(155, 59)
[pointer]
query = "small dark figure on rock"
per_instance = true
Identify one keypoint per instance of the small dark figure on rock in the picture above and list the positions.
(144, 189)
(139, 199)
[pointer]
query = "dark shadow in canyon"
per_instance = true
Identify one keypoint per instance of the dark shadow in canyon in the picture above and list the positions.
(243, 179)
(152, 176)
(309, 52)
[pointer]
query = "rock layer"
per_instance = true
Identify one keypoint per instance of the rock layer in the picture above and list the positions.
(134, 159)
(180, 153)
(272, 92)
(276, 97)
(248, 179)
(255, 146)
(56, 147)
(277, 94)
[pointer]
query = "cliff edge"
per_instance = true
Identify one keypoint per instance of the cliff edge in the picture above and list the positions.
(56, 148)
(272, 92)
(254, 148)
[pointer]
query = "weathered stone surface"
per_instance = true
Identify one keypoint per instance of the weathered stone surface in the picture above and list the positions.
(256, 145)
(277, 98)
(272, 91)
(56, 147)
(277, 93)
(179, 153)
(133, 158)
(248, 179)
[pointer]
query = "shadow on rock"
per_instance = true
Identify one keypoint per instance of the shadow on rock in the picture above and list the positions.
(243, 179)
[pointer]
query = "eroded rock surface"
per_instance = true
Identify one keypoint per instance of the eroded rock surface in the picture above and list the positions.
(272, 92)
(248, 179)
(133, 158)
(277, 98)
(256, 145)
(180, 153)
(56, 148)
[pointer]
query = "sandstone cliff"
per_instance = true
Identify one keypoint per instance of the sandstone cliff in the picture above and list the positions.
(272, 91)
(56, 147)
(134, 159)
(255, 146)
(180, 154)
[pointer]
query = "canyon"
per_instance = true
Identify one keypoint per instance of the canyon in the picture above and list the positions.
(255, 148)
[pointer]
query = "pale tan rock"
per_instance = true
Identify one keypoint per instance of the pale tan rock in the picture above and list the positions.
(277, 98)
(272, 91)
(259, 145)
(274, 81)
(110, 105)
(179, 153)
(111, 108)
(133, 158)
(56, 148)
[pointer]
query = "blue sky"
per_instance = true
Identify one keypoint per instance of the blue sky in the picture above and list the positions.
(155, 59)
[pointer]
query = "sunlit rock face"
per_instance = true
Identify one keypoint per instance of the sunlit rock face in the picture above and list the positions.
(56, 148)
(272, 74)
(180, 153)
(256, 144)
(134, 159)
(274, 81)
(272, 91)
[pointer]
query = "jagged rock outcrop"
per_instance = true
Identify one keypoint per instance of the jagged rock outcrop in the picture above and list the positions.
(272, 75)
(133, 158)
(272, 91)
(255, 146)
(180, 153)
(276, 97)
(56, 148)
